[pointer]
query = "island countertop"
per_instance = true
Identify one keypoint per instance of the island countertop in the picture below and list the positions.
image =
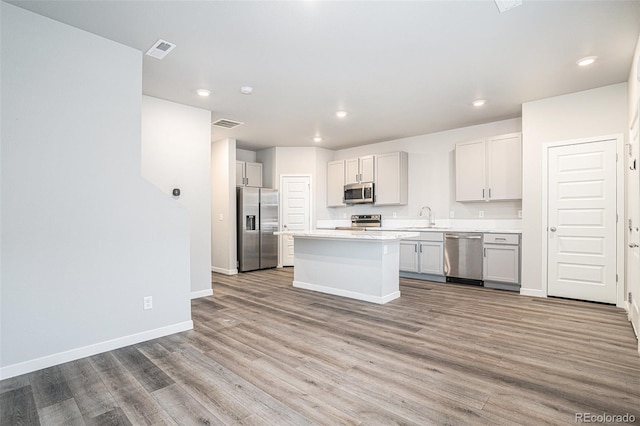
(336, 234)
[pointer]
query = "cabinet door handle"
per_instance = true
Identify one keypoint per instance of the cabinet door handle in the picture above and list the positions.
(420, 248)
(483, 193)
(415, 248)
(484, 252)
(489, 192)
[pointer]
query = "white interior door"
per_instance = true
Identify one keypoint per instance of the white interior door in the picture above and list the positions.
(296, 211)
(581, 221)
(633, 228)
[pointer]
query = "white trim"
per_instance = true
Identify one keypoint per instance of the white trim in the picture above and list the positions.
(85, 351)
(620, 209)
(311, 209)
(201, 293)
(533, 292)
(345, 293)
(224, 271)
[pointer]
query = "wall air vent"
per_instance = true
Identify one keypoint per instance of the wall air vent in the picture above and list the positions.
(227, 124)
(160, 49)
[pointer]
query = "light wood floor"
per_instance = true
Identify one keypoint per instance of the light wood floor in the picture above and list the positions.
(263, 352)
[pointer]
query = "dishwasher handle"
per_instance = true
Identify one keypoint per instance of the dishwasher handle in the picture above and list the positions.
(463, 237)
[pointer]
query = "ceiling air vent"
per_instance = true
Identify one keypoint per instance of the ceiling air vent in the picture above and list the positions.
(160, 49)
(227, 124)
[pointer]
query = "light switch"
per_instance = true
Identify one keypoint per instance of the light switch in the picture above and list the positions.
(220, 217)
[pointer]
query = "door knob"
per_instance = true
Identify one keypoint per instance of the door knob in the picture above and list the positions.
(633, 245)
(553, 229)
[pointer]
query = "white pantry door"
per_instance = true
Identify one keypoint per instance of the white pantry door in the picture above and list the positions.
(296, 211)
(633, 227)
(582, 221)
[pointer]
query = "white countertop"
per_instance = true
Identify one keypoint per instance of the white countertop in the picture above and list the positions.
(451, 229)
(371, 234)
(505, 226)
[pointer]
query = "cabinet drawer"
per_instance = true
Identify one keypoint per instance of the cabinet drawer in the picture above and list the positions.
(502, 238)
(430, 236)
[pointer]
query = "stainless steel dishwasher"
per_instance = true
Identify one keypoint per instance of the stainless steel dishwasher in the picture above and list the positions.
(463, 257)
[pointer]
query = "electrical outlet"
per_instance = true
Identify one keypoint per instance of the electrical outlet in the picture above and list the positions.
(344, 215)
(520, 213)
(220, 217)
(481, 213)
(452, 214)
(395, 215)
(147, 303)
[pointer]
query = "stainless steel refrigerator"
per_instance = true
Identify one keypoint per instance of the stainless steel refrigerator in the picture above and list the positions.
(257, 210)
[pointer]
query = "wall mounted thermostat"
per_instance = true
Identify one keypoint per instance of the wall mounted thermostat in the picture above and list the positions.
(176, 192)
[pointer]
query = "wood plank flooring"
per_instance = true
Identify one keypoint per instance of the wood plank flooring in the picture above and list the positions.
(265, 353)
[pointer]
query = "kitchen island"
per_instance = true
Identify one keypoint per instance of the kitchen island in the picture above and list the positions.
(360, 265)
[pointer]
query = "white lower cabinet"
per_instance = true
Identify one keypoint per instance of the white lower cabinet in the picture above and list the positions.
(409, 256)
(431, 257)
(424, 255)
(501, 259)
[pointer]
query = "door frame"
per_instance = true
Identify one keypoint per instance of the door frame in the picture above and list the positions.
(634, 125)
(618, 139)
(280, 204)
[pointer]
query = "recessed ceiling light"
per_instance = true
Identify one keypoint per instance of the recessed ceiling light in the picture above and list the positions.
(246, 90)
(317, 139)
(586, 61)
(478, 102)
(341, 114)
(203, 92)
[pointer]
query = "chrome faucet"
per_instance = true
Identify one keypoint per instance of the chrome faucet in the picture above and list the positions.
(430, 214)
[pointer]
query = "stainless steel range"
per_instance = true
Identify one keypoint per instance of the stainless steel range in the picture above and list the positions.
(362, 221)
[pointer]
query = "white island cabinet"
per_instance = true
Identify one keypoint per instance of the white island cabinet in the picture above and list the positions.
(360, 265)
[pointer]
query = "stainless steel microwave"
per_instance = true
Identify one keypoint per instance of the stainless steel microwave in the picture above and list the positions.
(358, 193)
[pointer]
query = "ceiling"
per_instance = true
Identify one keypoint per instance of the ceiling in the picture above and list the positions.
(398, 68)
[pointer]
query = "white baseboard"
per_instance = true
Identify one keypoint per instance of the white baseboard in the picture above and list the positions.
(201, 293)
(345, 293)
(85, 351)
(532, 292)
(224, 271)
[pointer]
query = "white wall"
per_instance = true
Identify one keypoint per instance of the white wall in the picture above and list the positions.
(223, 207)
(634, 84)
(84, 237)
(176, 153)
(268, 159)
(596, 112)
(245, 155)
(432, 175)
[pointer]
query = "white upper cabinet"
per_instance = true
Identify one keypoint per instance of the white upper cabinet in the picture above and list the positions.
(359, 169)
(489, 169)
(248, 174)
(504, 167)
(391, 178)
(335, 183)
(470, 171)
